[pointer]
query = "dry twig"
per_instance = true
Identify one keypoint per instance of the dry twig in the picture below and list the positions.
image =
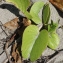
(6, 47)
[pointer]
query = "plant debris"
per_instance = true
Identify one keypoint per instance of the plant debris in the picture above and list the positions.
(58, 4)
(11, 29)
(15, 54)
(6, 47)
(26, 22)
(13, 24)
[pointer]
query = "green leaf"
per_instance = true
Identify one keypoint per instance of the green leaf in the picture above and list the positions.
(29, 36)
(53, 40)
(22, 5)
(46, 14)
(27, 14)
(40, 45)
(35, 9)
(52, 27)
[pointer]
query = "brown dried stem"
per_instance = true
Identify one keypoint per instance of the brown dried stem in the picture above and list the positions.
(6, 47)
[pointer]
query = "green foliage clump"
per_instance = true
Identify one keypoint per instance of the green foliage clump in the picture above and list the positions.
(35, 41)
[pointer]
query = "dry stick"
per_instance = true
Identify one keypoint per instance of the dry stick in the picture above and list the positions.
(8, 56)
(6, 47)
(6, 60)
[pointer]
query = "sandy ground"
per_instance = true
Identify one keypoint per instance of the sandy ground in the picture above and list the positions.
(9, 11)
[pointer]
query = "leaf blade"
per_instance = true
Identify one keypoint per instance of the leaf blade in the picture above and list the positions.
(53, 40)
(22, 5)
(29, 37)
(40, 45)
(46, 14)
(35, 9)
